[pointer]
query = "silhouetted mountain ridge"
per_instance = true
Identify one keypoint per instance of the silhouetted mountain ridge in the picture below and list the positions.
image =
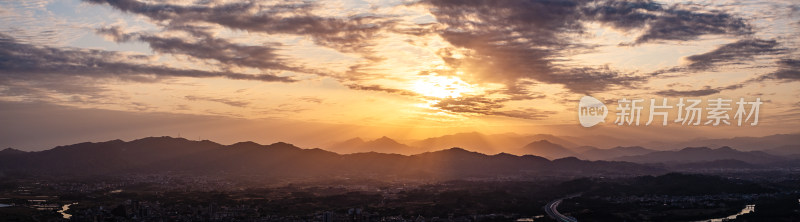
(616, 152)
(283, 160)
(547, 149)
(383, 145)
(702, 154)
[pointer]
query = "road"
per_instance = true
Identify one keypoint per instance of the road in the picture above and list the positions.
(552, 211)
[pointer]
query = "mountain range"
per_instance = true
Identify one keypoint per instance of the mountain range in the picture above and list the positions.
(382, 158)
(380, 145)
(283, 160)
(702, 154)
(552, 147)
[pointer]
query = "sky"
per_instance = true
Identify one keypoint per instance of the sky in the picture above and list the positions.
(316, 72)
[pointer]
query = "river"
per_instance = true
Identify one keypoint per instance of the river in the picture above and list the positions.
(64, 209)
(747, 209)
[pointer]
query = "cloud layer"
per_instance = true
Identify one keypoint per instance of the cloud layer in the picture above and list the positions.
(511, 50)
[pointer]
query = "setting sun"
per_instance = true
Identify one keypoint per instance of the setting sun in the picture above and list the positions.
(442, 87)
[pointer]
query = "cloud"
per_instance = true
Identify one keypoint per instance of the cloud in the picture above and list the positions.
(204, 46)
(25, 61)
(739, 52)
(345, 34)
(501, 41)
(705, 91)
(230, 102)
(311, 99)
(688, 93)
(788, 70)
(529, 113)
(593, 79)
(478, 105)
(734, 53)
(508, 41)
(662, 23)
(379, 88)
(624, 15)
(473, 104)
(682, 25)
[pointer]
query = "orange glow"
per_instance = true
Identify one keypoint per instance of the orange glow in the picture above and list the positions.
(442, 87)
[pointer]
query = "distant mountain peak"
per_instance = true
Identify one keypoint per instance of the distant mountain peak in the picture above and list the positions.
(383, 144)
(567, 159)
(154, 138)
(281, 144)
(355, 139)
(547, 149)
(504, 154)
(545, 142)
(385, 139)
(11, 151)
(467, 134)
(701, 154)
(696, 149)
(246, 143)
(726, 148)
(457, 149)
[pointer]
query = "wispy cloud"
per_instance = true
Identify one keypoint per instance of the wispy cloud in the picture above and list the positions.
(789, 70)
(203, 45)
(226, 101)
(25, 61)
(346, 34)
(738, 52)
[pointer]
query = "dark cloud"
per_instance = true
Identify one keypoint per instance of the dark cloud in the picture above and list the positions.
(788, 70)
(204, 46)
(511, 40)
(514, 40)
(705, 91)
(688, 93)
(230, 102)
(593, 79)
(624, 15)
(346, 34)
(661, 22)
(529, 113)
(478, 105)
(735, 53)
(379, 88)
(682, 25)
(24, 61)
(472, 104)
(739, 52)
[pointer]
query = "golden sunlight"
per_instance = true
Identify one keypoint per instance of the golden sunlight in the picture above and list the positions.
(442, 86)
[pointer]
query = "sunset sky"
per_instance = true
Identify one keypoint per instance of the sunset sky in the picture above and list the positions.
(315, 72)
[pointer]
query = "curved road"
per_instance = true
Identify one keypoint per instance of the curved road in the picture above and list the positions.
(552, 211)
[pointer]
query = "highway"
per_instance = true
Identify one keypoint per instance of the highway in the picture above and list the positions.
(552, 211)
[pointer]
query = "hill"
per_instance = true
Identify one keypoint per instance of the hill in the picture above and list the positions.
(157, 155)
(381, 145)
(702, 154)
(547, 149)
(616, 152)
